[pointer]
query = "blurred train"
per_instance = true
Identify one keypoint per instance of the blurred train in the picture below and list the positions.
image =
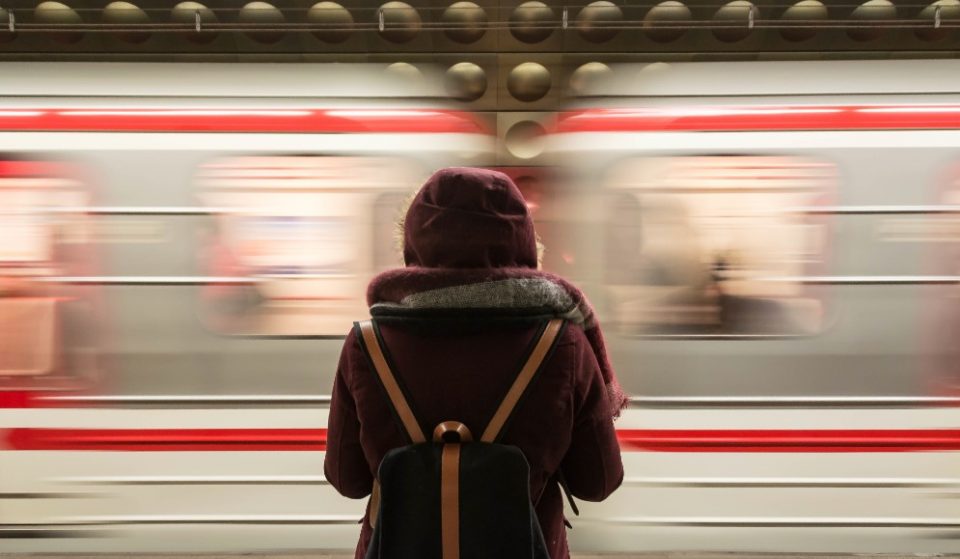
(183, 248)
(772, 247)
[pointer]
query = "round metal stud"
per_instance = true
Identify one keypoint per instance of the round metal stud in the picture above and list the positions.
(464, 22)
(404, 71)
(335, 21)
(56, 13)
(865, 17)
(804, 14)
(257, 14)
(188, 13)
(401, 22)
(666, 21)
(936, 15)
(466, 81)
(525, 139)
(125, 13)
(598, 20)
(587, 76)
(531, 22)
(737, 18)
(528, 81)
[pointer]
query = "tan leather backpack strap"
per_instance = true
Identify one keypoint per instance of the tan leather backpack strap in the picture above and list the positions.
(450, 484)
(374, 504)
(372, 344)
(450, 501)
(530, 368)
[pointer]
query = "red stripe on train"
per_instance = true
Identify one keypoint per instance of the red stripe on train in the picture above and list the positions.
(33, 169)
(664, 440)
(167, 440)
(32, 399)
(762, 118)
(18, 399)
(253, 120)
(880, 440)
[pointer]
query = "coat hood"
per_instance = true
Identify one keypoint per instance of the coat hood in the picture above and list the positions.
(469, 218)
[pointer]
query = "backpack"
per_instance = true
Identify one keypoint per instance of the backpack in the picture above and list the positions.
(454, 497)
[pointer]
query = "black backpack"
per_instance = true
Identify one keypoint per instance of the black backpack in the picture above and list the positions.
(454, 498)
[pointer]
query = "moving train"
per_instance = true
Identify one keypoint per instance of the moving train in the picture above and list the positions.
(771, 247)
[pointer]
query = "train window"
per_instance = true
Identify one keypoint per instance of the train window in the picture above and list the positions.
(46, 326)
(288, 245)
(26, 237)
(33, 223)
(715, 244)
(290, 234)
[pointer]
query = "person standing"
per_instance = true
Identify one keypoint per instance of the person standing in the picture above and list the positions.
(456, 323)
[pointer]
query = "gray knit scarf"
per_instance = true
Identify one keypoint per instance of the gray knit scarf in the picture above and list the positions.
(518, 289)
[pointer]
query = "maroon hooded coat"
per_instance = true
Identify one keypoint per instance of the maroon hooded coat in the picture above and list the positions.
(456, 323)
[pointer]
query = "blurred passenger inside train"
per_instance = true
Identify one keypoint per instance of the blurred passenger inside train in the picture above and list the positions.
(714, 245)
(457, 323)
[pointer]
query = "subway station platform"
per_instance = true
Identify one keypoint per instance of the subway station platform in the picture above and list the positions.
(323, 555)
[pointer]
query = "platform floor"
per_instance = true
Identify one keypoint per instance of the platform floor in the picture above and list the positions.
(320, 555)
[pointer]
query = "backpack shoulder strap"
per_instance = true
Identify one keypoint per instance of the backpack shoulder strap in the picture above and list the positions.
(374, 349)
(548, 336)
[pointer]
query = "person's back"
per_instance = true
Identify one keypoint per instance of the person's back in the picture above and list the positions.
(457, 323)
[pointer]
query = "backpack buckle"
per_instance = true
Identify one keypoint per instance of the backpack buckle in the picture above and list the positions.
(452, 432)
